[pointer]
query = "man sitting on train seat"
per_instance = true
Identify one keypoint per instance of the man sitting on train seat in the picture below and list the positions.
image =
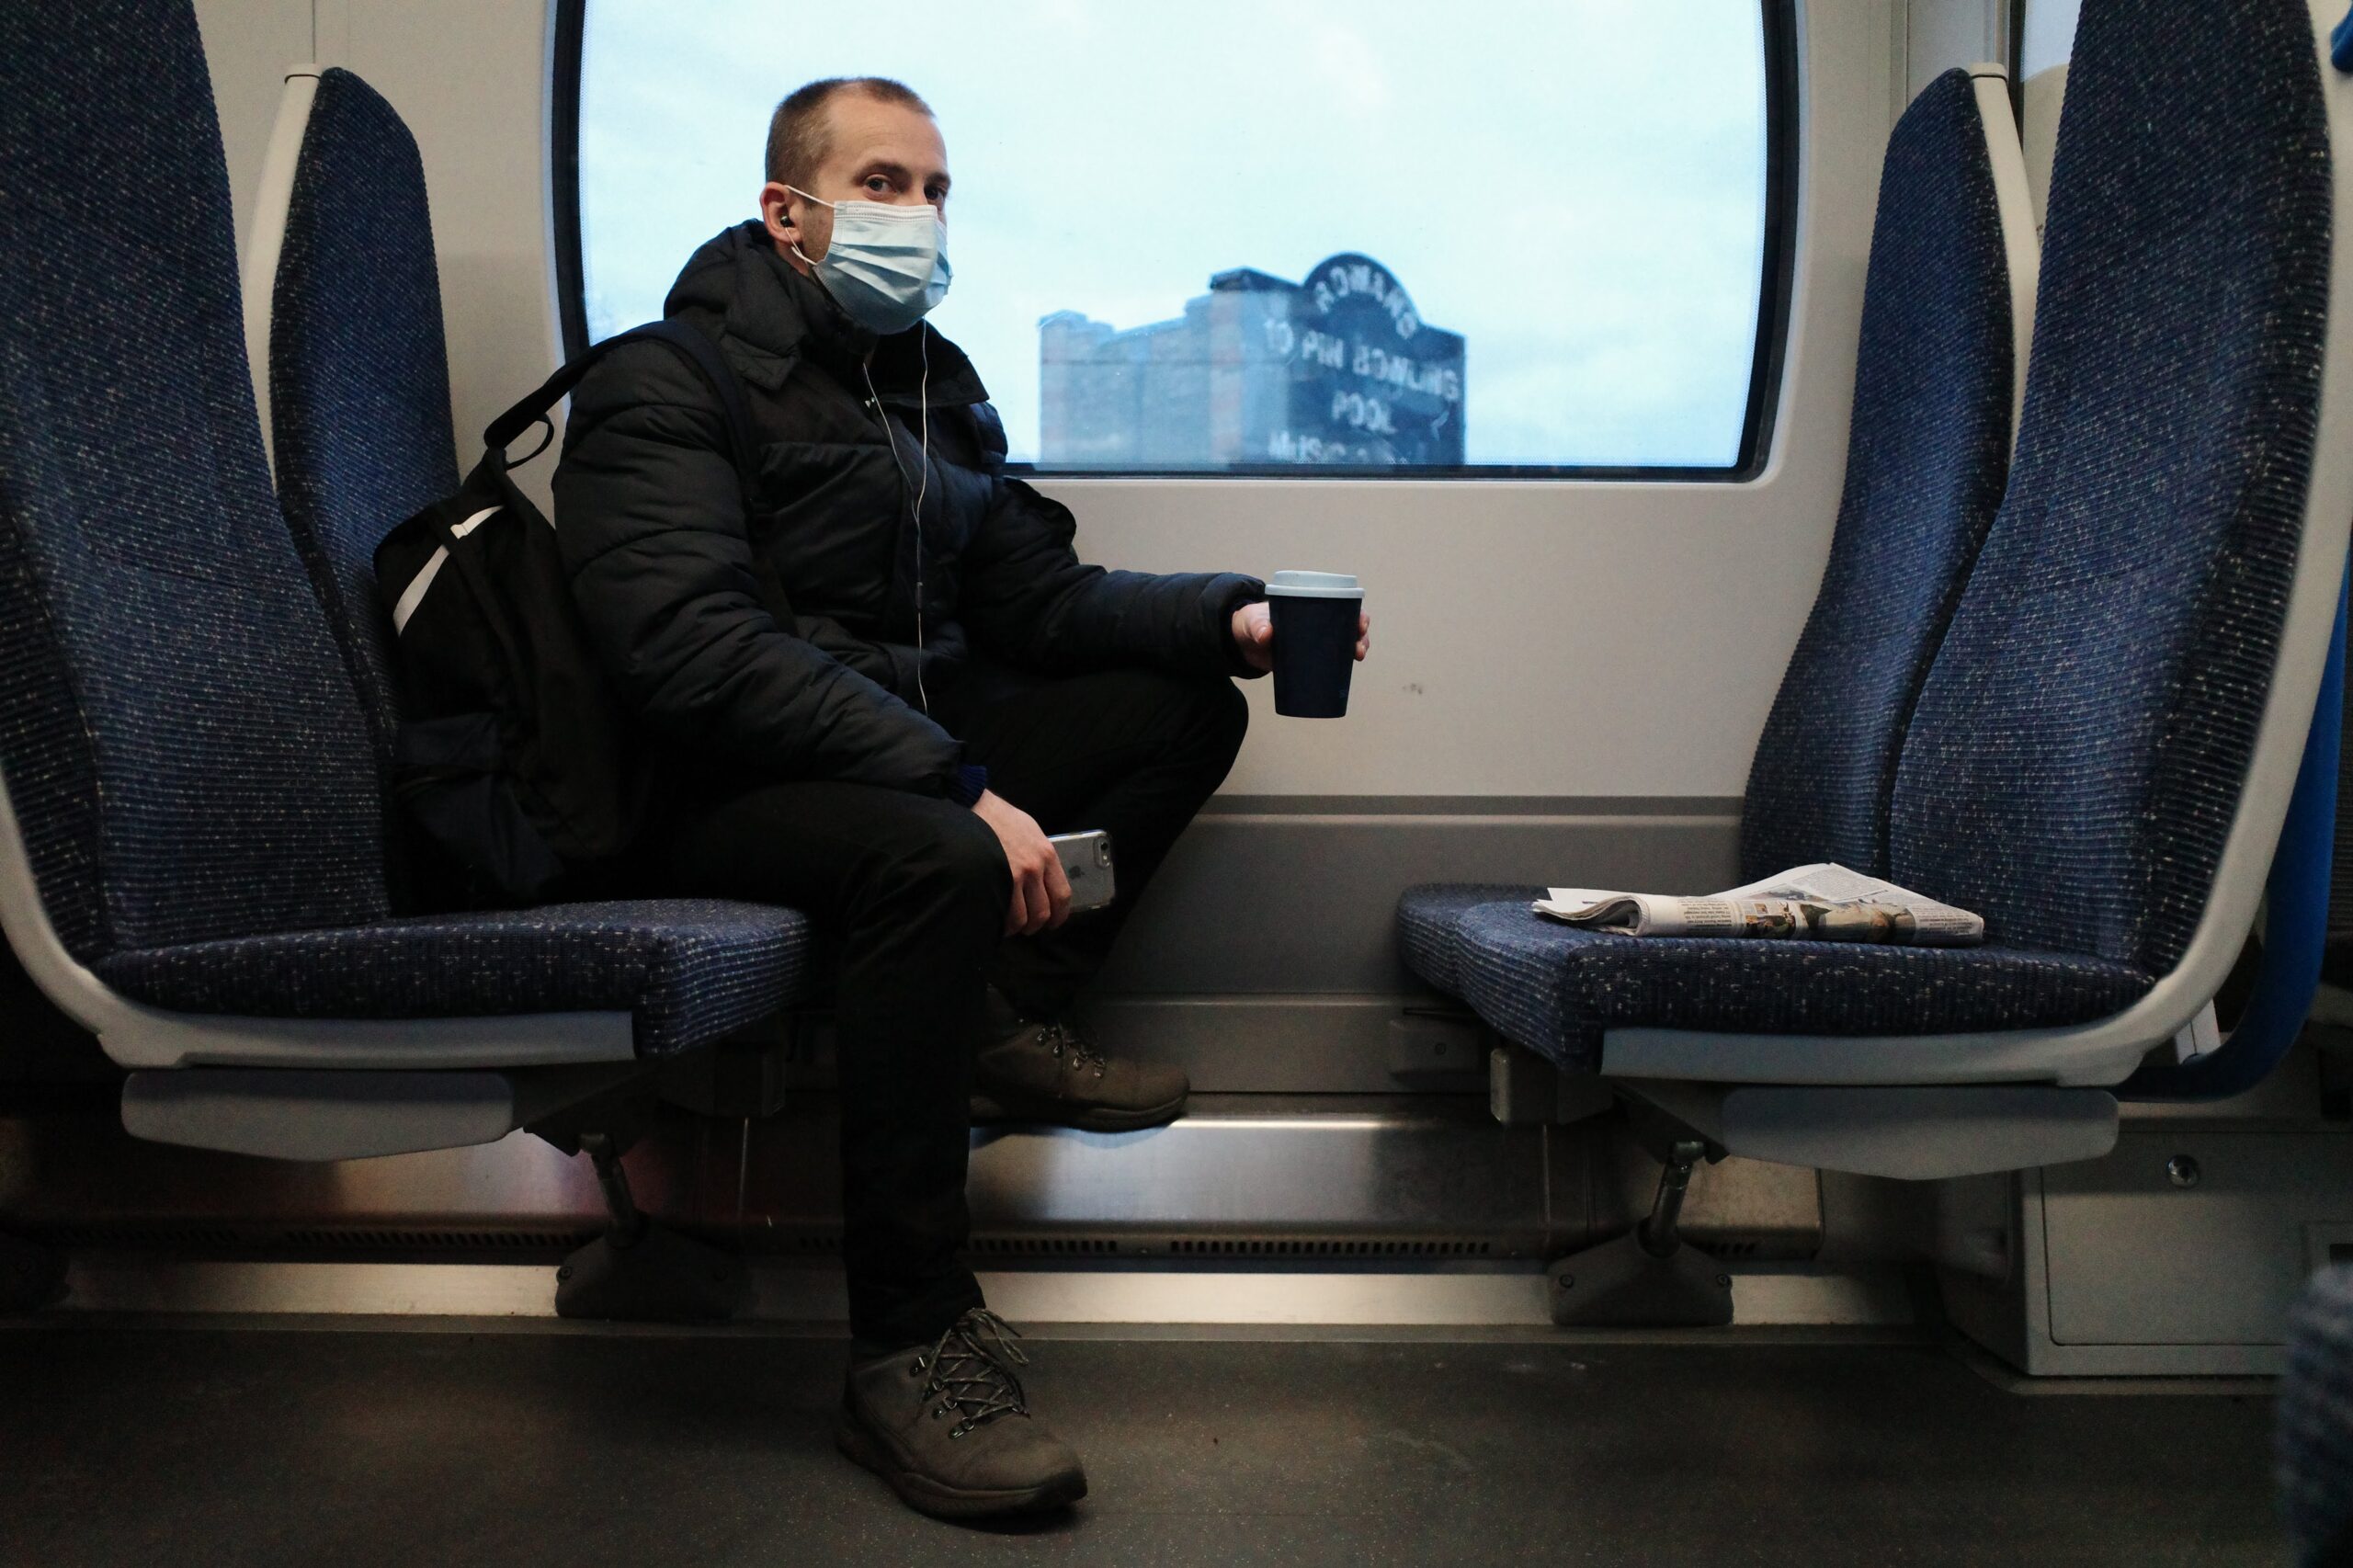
(879, 682)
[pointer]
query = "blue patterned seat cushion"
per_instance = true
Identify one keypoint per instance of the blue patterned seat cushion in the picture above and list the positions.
(1429, 926)
(691, 970)
(2315, 1432)
(1555, 989)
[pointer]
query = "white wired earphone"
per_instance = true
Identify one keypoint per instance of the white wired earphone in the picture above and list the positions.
(920, 483)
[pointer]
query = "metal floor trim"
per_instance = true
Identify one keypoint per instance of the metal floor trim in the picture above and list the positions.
(1355, 1298)
(1764, 1335)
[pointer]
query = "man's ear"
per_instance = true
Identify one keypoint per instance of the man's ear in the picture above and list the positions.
(775, 212)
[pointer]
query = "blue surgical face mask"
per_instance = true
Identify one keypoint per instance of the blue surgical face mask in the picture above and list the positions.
(887, 265)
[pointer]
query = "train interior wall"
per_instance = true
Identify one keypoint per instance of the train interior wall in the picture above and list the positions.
(1341, 1165)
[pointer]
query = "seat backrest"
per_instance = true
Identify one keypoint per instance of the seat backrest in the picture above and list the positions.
(2340, 870)
(1927, 451)
(178, 736)
(359, 369)
(2079, 752)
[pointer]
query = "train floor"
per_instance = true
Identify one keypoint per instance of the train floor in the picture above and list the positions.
(130, 1441)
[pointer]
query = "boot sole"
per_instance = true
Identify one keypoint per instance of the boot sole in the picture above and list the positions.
(927, 1496)
(992, 1107)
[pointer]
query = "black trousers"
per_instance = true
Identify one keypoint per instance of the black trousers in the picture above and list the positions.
(914, 892)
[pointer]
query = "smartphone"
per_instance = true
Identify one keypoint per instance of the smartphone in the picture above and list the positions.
(1087, 861)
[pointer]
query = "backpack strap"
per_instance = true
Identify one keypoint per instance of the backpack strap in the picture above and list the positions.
(684, 340)
(703, 354)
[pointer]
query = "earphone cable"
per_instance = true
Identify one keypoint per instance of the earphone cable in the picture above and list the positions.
(919, 486)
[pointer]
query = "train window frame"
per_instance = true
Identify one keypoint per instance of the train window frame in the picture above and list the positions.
(1777, 274)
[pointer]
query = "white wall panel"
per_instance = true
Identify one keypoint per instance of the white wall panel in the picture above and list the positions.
(2050, 41)
(2045, 96)
(1532, 638)
(471, 79)
(2050, 34)
(247, 45)
(1942, 34)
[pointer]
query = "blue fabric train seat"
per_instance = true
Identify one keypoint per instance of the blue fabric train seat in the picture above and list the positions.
(687, 969)
(1947, 302)
(2080, 753)
(189, 832)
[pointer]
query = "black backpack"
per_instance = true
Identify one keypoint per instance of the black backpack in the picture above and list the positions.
(513, 760)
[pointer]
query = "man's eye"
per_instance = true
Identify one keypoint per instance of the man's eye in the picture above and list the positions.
(878, 185)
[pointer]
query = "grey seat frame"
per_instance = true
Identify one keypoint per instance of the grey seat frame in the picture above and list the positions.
(315, 1088)
(2021, 242)
(137, 1036)
(265, 241)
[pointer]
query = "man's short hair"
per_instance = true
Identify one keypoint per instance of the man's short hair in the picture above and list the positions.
(799, 134)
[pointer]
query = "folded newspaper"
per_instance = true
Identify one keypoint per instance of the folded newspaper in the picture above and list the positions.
(1823, 903)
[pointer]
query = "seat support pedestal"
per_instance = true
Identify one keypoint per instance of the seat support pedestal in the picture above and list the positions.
(1646, 1278)
(639, 1271)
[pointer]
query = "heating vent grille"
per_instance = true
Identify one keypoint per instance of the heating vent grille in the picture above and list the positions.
(807, 1244)
(1308, 1248)
(346, 1238)
(182, 1237)
(313, 1239)
(1044, 1246)
(1747, 1247)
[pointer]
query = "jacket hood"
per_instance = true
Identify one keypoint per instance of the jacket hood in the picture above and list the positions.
(771, 317)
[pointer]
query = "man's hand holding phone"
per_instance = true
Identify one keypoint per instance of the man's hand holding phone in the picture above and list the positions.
(1041, 889)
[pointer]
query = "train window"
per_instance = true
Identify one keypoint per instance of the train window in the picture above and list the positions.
(1532, 236)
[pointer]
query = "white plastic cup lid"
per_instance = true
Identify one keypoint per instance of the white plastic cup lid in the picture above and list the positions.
(1315, 586)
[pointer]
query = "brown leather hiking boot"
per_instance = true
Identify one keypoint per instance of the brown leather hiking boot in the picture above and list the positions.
(947, 1425)
(1045, 1072)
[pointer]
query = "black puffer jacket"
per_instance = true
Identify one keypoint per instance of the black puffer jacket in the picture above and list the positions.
(786, 641)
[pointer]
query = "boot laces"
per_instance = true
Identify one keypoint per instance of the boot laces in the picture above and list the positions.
(1062, 1039)
(971, 1371)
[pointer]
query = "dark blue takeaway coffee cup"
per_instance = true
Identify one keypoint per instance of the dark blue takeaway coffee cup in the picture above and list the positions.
(1316, 641)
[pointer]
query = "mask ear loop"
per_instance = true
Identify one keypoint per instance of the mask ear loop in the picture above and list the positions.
(796, 245)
